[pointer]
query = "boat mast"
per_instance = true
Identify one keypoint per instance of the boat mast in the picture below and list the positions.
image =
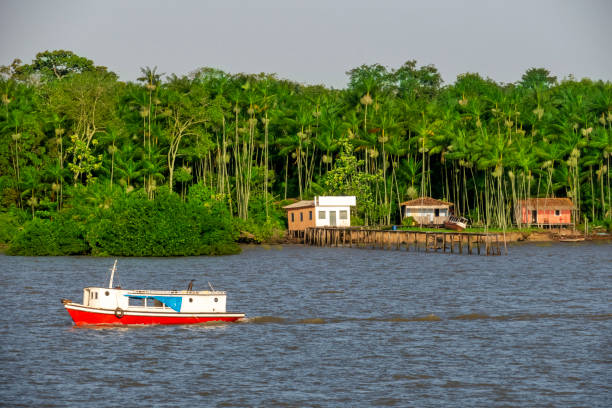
(110, 284)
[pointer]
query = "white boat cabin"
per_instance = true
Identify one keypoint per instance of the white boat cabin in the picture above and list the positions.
(180, 301)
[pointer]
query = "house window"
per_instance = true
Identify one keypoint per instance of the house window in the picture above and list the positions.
(310, 215)
(557, 213)
(321, 215)
(437, 212)
(292, 217)
(343, 214)
(301, 217)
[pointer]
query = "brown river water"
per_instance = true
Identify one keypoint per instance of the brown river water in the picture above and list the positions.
(325, 327)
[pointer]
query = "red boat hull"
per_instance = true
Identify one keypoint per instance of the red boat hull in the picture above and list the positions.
(84, 317)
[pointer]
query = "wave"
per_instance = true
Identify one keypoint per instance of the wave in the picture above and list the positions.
(427, 318)
(315, 320)
(263, 319)
(471, 316)
(532, 316)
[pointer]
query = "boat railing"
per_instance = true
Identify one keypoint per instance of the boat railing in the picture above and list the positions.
(176, 292)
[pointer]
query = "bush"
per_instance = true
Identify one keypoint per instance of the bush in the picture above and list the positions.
(252, 231)
(46, 237)
(607, 224)
(356, 220)
(9, 223)
(165, 226)
(408, 222)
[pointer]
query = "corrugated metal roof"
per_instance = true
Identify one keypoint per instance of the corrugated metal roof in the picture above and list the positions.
(426, 202)
(547, 203)
(300, 204)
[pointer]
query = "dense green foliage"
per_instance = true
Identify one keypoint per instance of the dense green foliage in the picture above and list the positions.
(131, 226)
(78, 144)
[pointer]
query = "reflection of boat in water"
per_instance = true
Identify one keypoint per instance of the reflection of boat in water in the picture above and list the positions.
(122, 306)
(456, 223)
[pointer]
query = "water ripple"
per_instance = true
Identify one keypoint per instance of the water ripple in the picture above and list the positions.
(324, 327)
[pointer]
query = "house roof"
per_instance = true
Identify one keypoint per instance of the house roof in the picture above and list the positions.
(547, 203)
(426, 202)
(300, 204)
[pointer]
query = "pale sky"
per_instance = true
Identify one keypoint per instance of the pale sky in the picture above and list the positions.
(317, 41)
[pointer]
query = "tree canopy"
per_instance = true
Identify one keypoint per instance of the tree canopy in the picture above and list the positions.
(75, 137)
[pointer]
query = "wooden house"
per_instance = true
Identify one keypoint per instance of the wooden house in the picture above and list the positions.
(544, 211)
(426, 210)
(323, 211)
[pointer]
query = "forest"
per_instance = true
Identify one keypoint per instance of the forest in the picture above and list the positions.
(187, 165)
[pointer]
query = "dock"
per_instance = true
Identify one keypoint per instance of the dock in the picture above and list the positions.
(468, 243)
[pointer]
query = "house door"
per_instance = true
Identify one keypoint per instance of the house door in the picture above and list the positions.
(534, 217)
(332, 218)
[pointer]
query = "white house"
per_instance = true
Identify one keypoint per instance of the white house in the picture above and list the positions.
(334, 211)
(426, 210)
(323, 211)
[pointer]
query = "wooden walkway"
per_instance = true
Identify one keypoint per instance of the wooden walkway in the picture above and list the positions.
(420, 241)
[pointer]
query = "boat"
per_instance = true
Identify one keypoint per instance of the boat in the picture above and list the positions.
(456, 223)
(117, 306)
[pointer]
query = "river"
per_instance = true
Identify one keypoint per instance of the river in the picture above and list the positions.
(325, 327)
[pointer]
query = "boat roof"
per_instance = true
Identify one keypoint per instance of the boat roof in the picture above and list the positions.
(162, 292)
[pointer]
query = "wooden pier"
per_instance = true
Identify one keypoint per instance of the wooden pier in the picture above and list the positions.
(468, 243)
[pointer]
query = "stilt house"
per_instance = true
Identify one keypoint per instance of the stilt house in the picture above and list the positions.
(545, 211)
(323, 211)
(426, 210)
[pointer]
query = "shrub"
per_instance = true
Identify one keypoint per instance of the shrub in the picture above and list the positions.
(46, 237)
(9, 223)
(408, 222)
(165, 226)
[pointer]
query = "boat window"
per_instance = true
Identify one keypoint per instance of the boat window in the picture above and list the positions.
(136, 302)
(216, 300)
(106, 293)
(190, 300)
(154, 303)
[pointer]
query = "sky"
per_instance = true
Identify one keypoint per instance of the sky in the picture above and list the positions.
(317, 41)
